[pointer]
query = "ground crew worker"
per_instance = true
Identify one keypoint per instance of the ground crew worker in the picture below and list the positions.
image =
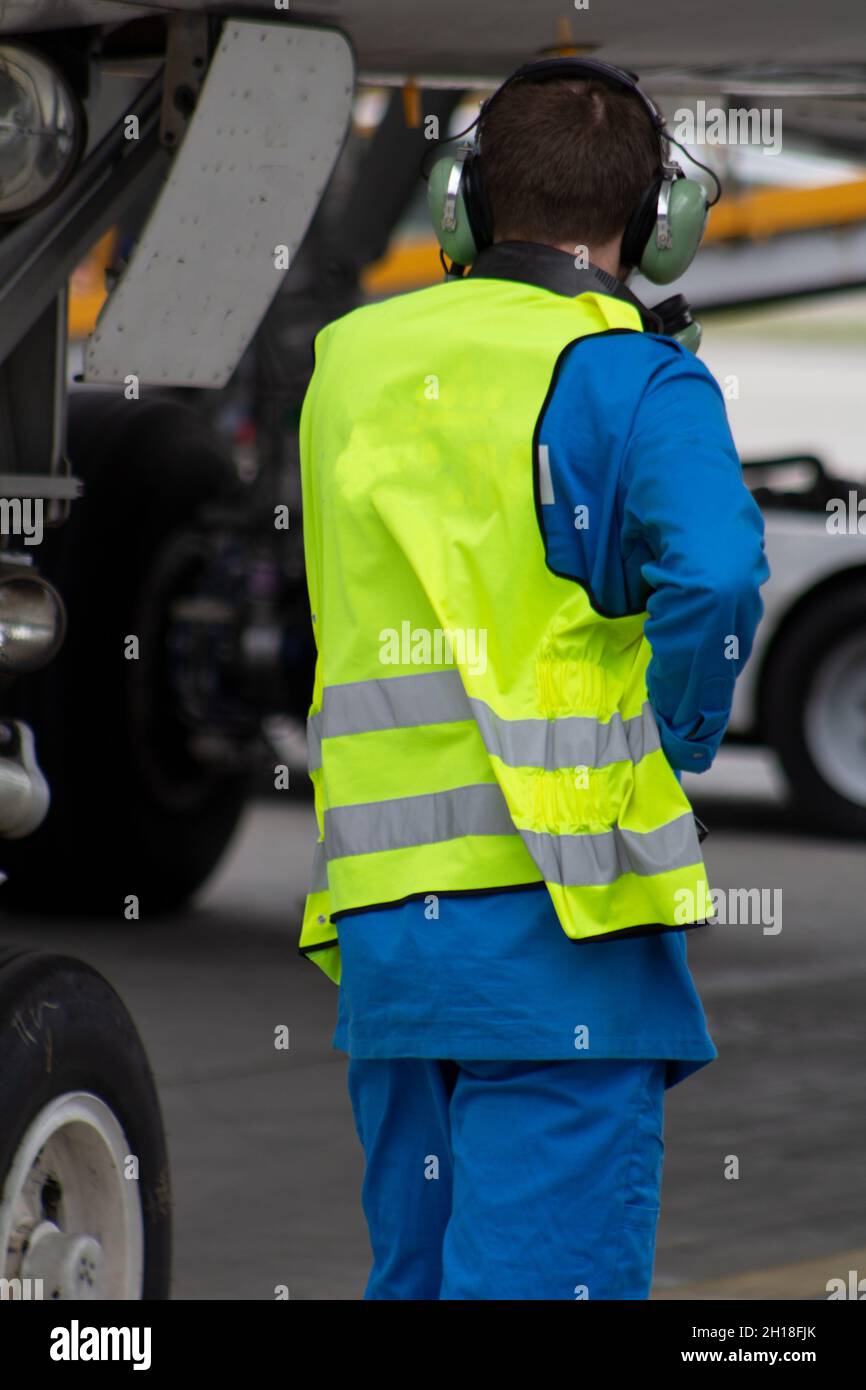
(533, 569)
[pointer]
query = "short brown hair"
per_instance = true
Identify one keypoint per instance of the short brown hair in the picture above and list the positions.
(566, 160)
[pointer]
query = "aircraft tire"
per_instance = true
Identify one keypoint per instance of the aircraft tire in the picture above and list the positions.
(85, 1201)
(814, 709)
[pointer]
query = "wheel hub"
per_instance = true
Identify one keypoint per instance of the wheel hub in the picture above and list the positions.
(70, 1213)
(70, 1266)
(835, 719)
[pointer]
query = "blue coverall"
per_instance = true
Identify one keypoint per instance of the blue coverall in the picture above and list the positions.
(507, 1083)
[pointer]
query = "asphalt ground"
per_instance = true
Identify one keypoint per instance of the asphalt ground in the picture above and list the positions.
(266, 1164)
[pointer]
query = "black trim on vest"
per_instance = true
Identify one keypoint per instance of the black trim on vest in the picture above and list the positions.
(531, 263)
(650, 929)
(322, 946)
(657, 929)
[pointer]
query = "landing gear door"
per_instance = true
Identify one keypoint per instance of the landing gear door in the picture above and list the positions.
(259, 150)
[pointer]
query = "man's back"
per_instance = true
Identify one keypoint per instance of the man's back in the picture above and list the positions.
(525, 747)
(523, 638)
(429, 974)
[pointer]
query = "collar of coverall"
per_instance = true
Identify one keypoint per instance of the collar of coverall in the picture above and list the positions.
(545, 266)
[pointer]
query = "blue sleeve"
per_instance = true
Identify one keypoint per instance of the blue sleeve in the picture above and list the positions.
(693, 541)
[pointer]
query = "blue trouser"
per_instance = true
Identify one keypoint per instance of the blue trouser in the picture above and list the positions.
(510, 1180)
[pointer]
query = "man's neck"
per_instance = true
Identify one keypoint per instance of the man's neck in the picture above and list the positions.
(552, 268)
(606, 256)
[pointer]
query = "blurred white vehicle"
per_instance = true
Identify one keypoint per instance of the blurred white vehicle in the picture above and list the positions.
(803, 692)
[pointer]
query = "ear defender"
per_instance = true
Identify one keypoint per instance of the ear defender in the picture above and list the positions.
(663, 234)
(451, 206)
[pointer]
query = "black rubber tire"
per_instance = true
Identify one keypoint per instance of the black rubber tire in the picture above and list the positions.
(94, 1047)
(148, 468)
(790, 674)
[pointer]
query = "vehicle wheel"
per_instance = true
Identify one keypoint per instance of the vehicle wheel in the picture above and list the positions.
(77, 1105)
(814, 703)
(134, 811)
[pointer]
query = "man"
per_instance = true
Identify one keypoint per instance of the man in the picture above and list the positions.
(534, 572)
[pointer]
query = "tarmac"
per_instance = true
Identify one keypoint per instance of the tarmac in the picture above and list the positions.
(266, 1164)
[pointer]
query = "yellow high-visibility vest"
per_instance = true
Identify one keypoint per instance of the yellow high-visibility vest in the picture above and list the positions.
(475, 722)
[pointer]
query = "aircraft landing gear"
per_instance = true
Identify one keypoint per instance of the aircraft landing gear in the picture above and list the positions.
(135, 808)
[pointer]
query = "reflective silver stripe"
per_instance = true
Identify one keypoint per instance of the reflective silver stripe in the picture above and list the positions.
(417, 820)
(398, 702)
(581, 860)
(545, 479)
(401, 702)
(576, 740)
(438, 697)
(314, 742)
(572, 860)
(319, 870)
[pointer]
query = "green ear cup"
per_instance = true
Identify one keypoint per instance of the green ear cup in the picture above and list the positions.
(691, 337)
(457, 243)
(687, 218)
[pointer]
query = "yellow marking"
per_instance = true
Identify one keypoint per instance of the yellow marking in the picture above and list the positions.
(411, 104)
(408, 264)
(805, 1279)
(770, 211)
(87, 291)
(414, 261)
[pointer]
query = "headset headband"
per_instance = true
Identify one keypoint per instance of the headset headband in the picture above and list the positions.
(585, 68)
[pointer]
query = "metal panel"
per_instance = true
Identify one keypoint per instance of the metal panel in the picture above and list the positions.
(266, 132)
(487, 39)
